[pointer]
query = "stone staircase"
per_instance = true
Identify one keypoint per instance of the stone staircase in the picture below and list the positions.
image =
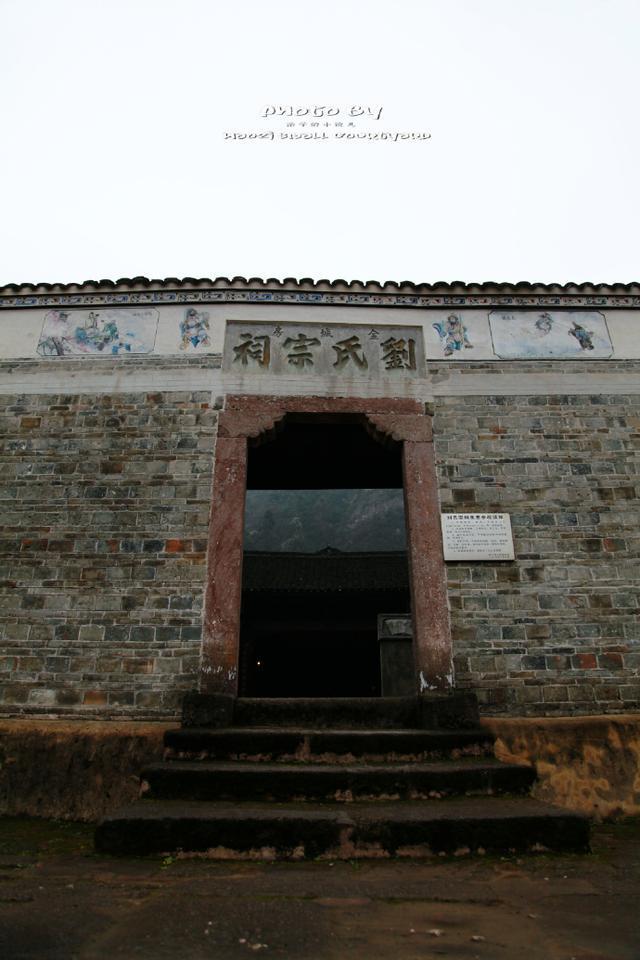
(336, 779)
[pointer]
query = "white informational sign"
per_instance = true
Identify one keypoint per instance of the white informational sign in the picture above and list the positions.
(477, 536)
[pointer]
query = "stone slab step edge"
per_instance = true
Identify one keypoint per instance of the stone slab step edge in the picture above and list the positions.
(219, 780)
(309, 744)
(272, 831)
(455, 710)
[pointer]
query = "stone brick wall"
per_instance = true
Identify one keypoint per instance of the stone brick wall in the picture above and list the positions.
(105, 503)
(556, 632)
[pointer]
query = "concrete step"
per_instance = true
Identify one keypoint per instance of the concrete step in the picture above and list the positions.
(347, 831)
(324, 746)
(433, 711)
(225, 780)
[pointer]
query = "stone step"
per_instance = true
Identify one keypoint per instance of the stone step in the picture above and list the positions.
(369, 712)
(431, 711)
(225, 780)
(324, 746)
(347, 831)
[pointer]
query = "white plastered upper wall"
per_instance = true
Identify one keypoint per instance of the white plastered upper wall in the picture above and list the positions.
(450, 333)
(457, 334)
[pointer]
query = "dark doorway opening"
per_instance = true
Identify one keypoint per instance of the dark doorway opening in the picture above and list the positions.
(324, 556)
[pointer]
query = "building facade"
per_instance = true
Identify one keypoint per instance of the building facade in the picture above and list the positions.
(137, 414)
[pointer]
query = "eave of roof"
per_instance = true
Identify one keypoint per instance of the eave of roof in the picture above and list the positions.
(389, 287)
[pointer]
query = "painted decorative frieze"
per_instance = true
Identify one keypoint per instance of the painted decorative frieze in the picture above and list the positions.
(69, 333)
(549, 334)
(311, 343)
(325, 350)
(386, 300)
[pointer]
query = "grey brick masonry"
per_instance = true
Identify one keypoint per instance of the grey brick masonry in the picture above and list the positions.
(105, 506)
(105, 503)
(556, 632)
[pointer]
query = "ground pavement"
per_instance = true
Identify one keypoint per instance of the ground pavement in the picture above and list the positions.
(61, 901)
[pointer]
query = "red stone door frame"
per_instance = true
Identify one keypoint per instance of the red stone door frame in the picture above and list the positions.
(403, 420)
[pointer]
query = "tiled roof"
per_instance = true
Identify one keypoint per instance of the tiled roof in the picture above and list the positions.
(307, 284)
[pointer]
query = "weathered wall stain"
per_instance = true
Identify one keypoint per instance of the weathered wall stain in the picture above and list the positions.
(71, 771)
(586, 764)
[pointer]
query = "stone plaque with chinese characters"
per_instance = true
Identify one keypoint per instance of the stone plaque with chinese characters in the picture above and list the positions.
(327, 351)
(477, 536)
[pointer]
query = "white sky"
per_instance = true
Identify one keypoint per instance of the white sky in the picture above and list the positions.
(113, 162)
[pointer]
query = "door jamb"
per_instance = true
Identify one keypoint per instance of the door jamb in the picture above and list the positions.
(403, 420)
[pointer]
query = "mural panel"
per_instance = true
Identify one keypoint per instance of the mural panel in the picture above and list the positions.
(453, 335)
(69, 333)
(194, 329)
(540, 335)
(458, 335)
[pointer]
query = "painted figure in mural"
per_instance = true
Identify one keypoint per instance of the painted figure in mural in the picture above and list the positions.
(453, 334)
(543, 324)
(96, 333)
(194, 329)
(54, 344)
(584, 337)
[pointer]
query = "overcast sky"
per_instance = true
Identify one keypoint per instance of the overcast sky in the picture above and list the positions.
(114, 161)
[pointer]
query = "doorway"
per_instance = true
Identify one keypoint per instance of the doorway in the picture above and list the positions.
(324, 556)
